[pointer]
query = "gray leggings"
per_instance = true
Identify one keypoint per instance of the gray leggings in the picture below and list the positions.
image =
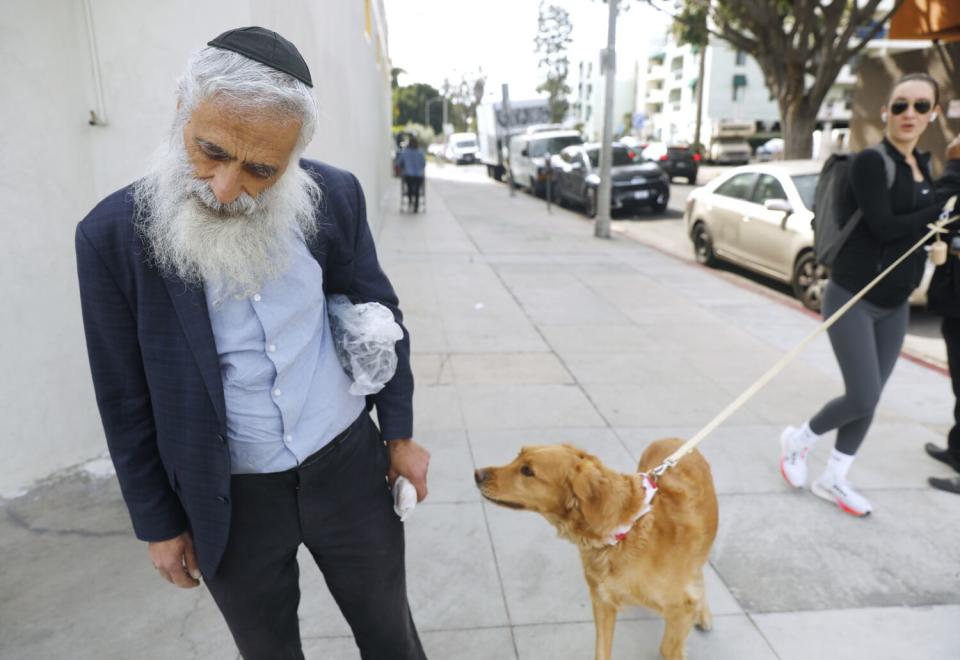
(867, 342)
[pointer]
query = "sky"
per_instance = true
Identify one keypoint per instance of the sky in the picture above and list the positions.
(437, 39)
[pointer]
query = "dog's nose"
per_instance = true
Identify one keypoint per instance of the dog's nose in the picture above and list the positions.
(480, 476)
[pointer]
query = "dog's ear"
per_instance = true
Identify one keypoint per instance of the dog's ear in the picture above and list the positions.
(587, 493)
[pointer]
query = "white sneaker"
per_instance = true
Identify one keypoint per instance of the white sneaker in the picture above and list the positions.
(793, 457)
(839, 491)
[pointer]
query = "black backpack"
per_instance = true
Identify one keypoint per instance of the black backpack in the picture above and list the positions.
(830, 229)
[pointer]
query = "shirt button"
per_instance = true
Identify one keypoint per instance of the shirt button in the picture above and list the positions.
(288, 438)
(276, 392)
(221, 439)
(222, 499)
(256, 297)
(272, 348)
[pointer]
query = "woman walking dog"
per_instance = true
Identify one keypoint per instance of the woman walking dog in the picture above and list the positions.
(867, 340)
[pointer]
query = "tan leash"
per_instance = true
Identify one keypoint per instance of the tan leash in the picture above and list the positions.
(936, 228)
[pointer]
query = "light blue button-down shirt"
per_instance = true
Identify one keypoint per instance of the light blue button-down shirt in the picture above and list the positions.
(285, 392)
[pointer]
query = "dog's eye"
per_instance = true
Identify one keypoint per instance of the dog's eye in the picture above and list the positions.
(526, 471)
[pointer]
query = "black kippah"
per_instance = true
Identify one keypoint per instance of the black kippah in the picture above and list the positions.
(267, 47)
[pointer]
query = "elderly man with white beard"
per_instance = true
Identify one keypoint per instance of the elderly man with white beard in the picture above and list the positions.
(227, 414)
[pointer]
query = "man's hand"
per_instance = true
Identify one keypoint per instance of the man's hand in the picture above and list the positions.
(176, 560)
(411, 460)
(953, 149)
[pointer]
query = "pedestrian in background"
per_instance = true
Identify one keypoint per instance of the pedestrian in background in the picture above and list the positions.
(868, 338)
(412, 165)
(943, 298)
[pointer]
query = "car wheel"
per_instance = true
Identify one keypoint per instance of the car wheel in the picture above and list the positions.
(692, 179)
(703, 245)
(591, 203)
(809, 281)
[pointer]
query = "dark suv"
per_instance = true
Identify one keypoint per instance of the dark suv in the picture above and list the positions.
(675, 159)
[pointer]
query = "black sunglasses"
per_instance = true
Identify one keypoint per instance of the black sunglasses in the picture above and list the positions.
(922, 106)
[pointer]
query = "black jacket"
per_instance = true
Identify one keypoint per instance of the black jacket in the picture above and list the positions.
(156, 373)
(893, 220)
(943, 296)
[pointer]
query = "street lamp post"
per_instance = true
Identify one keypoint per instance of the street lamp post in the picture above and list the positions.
(601, 228)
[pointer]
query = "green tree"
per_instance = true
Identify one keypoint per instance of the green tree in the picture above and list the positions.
(800, 45)
(465, 97)
(410, 102)
(395, 74)
(552, 41)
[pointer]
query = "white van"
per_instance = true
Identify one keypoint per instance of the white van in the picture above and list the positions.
(528, 156)
(462, 148)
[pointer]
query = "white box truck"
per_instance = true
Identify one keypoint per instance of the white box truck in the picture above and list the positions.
(728, 141)
(494, 130)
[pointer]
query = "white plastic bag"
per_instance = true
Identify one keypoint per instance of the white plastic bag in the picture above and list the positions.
(364, 336)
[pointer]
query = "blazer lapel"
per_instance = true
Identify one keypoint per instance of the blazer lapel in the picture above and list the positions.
(191, 306)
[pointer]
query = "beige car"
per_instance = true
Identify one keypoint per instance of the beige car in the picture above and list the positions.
(758, 217)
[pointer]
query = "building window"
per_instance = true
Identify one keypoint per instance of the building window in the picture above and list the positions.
(739, 87)
(741, 58)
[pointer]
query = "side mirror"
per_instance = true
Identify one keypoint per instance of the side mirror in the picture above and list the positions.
(781, 205)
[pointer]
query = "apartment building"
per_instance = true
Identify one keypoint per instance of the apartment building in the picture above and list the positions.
(735, 88)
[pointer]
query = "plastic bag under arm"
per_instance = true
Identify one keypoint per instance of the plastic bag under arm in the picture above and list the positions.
(364, 336)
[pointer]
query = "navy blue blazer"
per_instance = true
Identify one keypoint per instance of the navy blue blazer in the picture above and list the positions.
(156, 372)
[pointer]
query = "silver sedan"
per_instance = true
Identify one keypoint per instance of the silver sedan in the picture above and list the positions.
(758, 217)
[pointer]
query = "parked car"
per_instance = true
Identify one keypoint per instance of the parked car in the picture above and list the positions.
(772, 149)
(633, 142)
(759, 217)
(635, 183)
(674, 159)
(435, 149)
(528, 156)
(462, 148)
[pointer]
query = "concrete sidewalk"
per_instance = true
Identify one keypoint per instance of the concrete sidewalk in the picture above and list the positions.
(527, 330)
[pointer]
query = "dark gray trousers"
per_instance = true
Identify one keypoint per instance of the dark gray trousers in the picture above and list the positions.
(339, 506)
(867, 342)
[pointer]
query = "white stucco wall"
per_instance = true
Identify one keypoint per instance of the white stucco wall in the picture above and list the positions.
(55, 167)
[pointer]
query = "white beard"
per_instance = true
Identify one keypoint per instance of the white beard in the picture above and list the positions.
(232, 248)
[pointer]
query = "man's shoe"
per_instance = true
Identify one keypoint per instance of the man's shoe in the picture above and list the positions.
(793, 457)
(942, 455)
(949, 485)
(841, 493)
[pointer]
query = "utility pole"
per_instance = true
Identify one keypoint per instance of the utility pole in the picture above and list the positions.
(703, 61)
(700, 81)
(601, 228)
(505, 145)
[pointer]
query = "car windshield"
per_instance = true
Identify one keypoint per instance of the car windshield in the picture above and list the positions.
(466, 144)
(553, 145)
(621, 156)
(806, 185)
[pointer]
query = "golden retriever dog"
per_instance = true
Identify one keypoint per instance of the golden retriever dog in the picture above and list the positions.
(635, 551)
